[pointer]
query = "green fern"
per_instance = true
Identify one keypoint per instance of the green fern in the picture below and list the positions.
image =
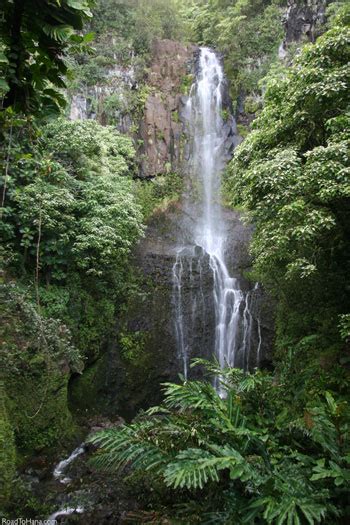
(290, 511)
(193, 468)
(128, 445)
(259, 463)
(192, 395)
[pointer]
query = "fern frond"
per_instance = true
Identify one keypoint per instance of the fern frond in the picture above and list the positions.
(213, 368)
(192, 395)
(313, 512)
(289, 510)
(157, 410)
(193, 468)
(127, 445)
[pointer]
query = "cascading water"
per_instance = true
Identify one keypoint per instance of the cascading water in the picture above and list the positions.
(59, 471)
(233, 318)
(179, 321)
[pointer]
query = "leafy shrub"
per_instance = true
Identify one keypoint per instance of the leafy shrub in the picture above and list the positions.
(71, 221)
(291, 175)
(252, 459)
(157, 193)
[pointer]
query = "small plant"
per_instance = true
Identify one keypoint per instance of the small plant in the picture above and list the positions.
(160, 135)
(132, 345)
(186, 83)
(159, 192)
(225, 114)
(175, 116)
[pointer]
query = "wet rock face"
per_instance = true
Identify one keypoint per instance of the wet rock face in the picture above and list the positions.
(161, 127)
(126, 383)
(89, 102)
(303, 19)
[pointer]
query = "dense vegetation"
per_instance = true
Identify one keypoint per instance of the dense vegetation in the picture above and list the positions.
(292, 174)
(248, 32)
(69, 220)
(276, 448)
(243, 458)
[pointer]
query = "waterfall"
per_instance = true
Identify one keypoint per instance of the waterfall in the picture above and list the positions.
(60, 469)
(66, 511)
(59, 475)
(179, 321)
(233, 319)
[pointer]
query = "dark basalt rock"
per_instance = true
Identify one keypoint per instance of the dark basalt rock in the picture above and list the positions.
(161, 126)
(303, 19)
(129, 383)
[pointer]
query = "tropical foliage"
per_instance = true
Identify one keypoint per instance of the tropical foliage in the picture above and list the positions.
(275, 447)
(292, 175)
(252, 460)
(35, 37)
(70, 216)
(247, 31)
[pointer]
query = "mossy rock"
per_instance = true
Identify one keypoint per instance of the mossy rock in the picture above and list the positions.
(35, 373)
(128, 375)
(7, 451)
(84, 394)
(38, 410)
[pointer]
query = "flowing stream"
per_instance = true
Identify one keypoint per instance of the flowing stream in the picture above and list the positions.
(60, 468)
(59, 475)
(233, 318)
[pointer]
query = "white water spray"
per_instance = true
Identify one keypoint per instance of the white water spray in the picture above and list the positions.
(232, 306)
(62, 513)
(179, 321)
(59, 475)
(60, 468)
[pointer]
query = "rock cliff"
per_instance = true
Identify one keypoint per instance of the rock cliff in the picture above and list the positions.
(107, 101)
(161, 129)
(304, 19)
(143, 351)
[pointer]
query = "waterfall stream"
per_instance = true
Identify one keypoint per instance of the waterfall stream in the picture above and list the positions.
(179, 321)
(233, 319)
(59, 470)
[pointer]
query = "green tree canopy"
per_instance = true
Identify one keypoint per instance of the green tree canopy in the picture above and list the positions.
(248, 32)
(292, 175)
(73, 184)
(35, 37)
